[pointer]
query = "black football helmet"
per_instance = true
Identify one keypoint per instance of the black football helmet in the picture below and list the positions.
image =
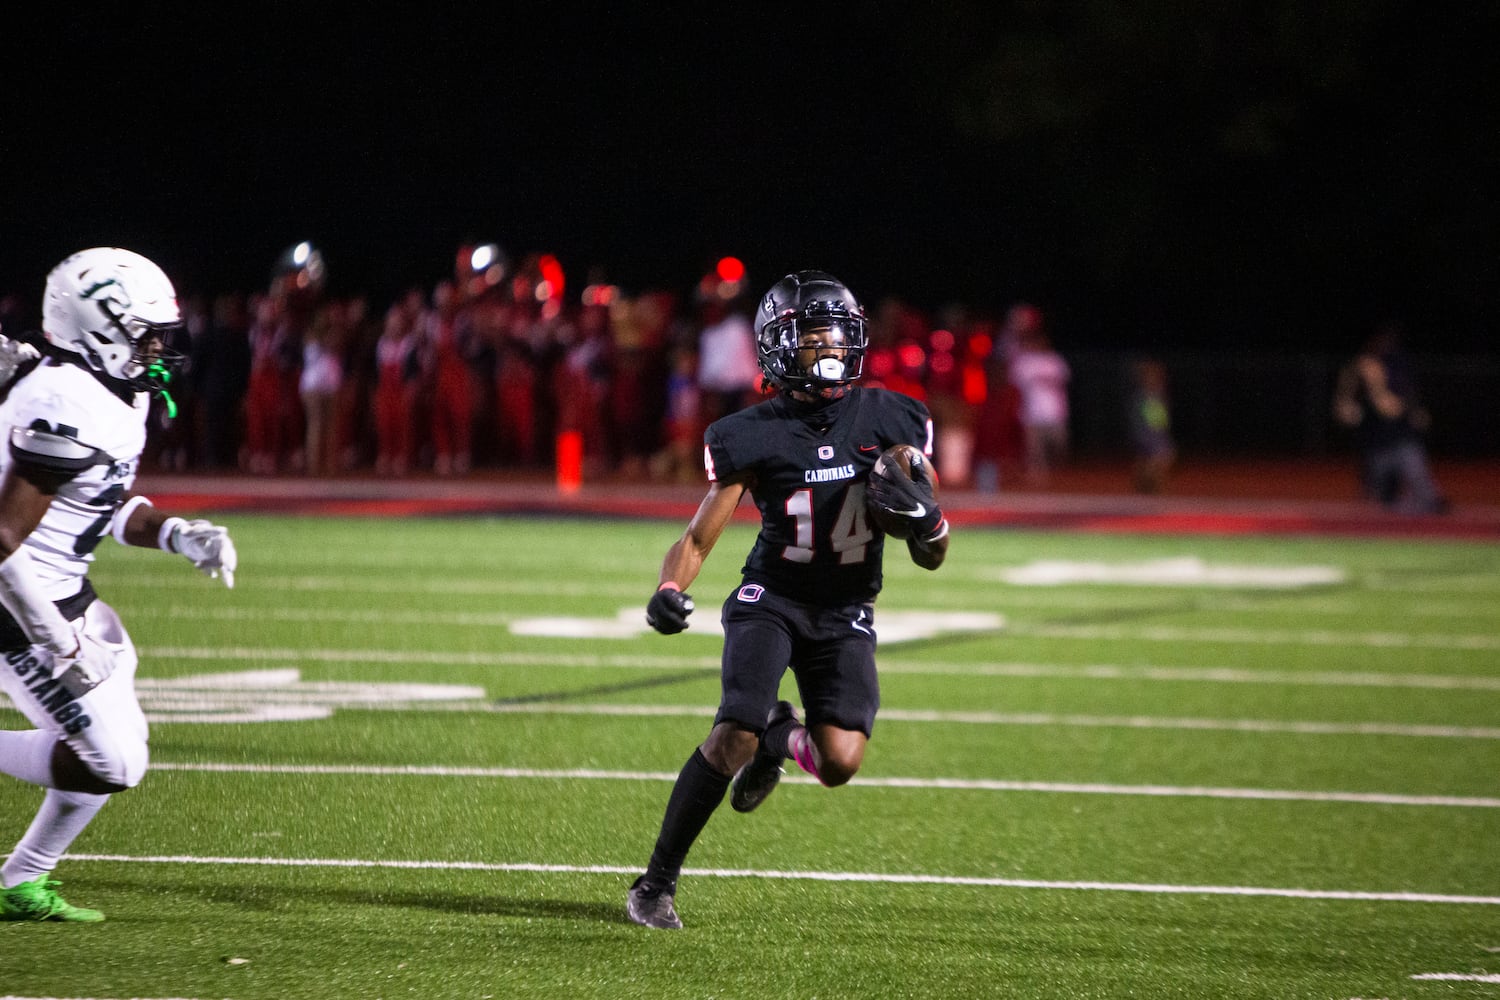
(810, 333)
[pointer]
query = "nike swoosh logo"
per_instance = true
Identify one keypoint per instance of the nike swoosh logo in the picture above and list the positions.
(916, 511)
(869, 447)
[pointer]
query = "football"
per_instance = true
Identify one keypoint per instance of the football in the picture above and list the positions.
(902, 456)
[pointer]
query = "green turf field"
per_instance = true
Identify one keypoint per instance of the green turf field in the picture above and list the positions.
(425, 758)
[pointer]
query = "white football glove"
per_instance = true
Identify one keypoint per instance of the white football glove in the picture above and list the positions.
(14, 354)
(90, 666)
(208, 547)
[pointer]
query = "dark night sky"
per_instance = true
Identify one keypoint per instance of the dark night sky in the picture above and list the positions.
(1248, 175)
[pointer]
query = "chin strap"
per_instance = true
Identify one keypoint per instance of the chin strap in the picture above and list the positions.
(162, 374)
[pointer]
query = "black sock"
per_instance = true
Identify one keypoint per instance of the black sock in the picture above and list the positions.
(698, 792)
(777, 739)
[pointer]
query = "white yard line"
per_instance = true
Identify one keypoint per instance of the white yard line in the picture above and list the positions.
(364, 581)
(887, 878)
(292, 654)
(1316, 637)
(418, 578)
(1200, 675)
(1293, 726)
(954, 594)
(1256, 636)
(888, 665)
(483, 619)
(1300, 728)
(945, 784)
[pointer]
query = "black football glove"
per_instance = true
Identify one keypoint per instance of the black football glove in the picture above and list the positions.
(668, 611)
(908, 497)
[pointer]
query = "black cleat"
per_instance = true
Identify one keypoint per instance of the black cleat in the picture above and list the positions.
(759, 778)
(650, 905)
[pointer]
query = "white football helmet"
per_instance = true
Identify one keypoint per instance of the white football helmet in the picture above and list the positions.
(114, 309)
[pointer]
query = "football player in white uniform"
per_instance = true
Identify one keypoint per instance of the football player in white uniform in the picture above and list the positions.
(73, 417)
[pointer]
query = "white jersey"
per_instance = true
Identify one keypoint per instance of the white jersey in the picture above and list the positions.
(74, 409)
(1042, 379)
(726, 355)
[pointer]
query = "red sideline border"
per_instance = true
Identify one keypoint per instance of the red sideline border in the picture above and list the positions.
(1111, 514)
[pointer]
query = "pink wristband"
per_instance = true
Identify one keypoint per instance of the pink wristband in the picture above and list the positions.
(670, 585)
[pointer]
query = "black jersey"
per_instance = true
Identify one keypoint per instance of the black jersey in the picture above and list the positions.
(807, 470)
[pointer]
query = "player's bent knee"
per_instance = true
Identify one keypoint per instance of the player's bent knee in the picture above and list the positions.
(836, 771)
(104, 772)
(840, 752)
(131, 766)
(838, 763)
(71, 774)
(729, 747)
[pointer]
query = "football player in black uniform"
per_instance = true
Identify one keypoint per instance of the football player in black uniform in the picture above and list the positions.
(807, 596)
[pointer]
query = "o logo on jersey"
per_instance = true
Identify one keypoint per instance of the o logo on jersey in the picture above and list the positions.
(750, 593)
(825, 452)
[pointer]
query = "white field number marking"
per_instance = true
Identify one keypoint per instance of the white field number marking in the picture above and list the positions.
(1186, 571)
(280, 695)
(891, 626)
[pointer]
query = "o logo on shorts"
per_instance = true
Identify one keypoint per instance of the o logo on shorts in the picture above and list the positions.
(750, 593)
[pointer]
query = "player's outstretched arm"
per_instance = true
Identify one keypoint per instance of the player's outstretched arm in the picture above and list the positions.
(15, 355)
(204, 544)
(670, 604)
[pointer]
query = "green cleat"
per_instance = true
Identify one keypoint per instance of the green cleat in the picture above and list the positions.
(38, 900)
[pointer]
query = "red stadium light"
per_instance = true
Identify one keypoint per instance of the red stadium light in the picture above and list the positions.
(552, 276)
(730, 269)
(976, 386)
(724, 283)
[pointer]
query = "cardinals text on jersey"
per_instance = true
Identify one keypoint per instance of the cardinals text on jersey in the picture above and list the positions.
(817, 543)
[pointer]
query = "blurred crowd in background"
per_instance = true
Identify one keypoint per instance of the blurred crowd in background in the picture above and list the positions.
(501, 366)
(492, 367)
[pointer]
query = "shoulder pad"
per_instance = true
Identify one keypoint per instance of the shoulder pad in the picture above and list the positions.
(55, 450)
